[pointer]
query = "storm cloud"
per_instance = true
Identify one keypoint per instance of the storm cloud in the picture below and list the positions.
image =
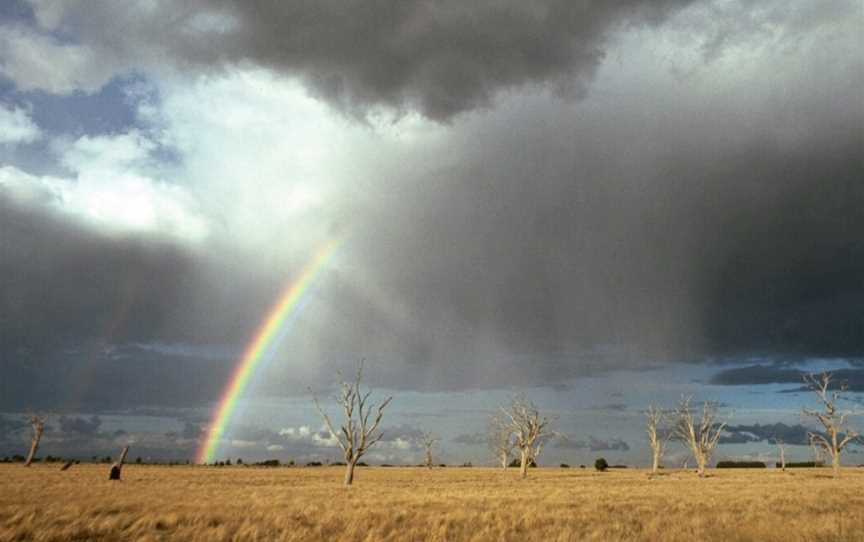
(699, 202)
(438, 58)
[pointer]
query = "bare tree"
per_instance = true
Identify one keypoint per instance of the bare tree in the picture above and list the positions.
(781, 446)
(699, 434)
(499, 438)
(837, 434)
(356, 434)
(429, 441)
(658, 435)
(37, 428)
(529, 429)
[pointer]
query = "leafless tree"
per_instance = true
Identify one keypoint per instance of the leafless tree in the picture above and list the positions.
(837, 434)
(499, 437)
(699, 434)
(429, 441)
(357, 434)
(781, 446)
(37, 428)
(530, 430)
(658, 435)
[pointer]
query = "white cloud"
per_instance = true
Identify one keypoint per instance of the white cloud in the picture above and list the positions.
(113, 188)
(38, 62)
(16, 126)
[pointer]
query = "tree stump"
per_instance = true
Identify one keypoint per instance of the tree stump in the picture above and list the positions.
(67, 465)
(116, 467)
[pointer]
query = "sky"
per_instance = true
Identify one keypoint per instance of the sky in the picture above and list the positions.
(601, 205)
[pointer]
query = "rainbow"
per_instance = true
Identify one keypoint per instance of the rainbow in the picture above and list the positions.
(266, 337)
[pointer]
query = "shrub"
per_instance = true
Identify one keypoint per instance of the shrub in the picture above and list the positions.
(565, 466)
(518, 463)
(313, 464)
(740, 465)
(601, 464)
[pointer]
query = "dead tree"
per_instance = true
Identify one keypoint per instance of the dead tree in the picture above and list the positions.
(529, 429)
(429, 441)
(37, 427)
(781, 446)
(114, 474)
(658, 435)
(837, 434)
(499, 438)
(700, 435)
(356, 434)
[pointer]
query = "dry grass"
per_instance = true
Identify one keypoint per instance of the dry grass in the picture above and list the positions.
(183, 503)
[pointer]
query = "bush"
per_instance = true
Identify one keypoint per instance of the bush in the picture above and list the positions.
(564, 466)
(518, 463)
(601, 464)
(740, 465)
(617, 466)
(313, 464)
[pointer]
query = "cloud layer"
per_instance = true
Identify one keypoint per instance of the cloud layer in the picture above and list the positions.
(700, 201)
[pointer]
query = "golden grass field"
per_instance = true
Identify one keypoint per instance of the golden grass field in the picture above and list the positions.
(239, 503)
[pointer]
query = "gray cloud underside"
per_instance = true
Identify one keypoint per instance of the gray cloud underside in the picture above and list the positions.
(439, 58)
(852, 378)
(594, 444)
(772, 433)
(545, 241)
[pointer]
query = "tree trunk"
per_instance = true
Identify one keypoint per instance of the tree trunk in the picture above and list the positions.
(523, 466)
(835, 462)
(429, 460)
(700, 460)
(655, 464)
(117, 467)
(34, 445)
(504, 458)
(349, 472)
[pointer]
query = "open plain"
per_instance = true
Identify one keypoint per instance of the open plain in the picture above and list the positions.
(248, 503)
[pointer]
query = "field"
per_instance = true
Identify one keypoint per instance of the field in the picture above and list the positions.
(237, 503)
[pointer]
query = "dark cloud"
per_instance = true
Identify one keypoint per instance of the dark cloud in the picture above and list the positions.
(439, 58)
(11, 427)
(538, 243)
(852, 378)
(594, 444)
(789, 434)
(772, 433)
(81, 426)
